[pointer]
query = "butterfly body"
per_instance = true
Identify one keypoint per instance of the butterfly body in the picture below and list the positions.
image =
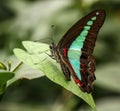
(74, 51)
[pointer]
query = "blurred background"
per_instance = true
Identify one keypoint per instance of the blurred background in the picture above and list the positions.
(31, 20)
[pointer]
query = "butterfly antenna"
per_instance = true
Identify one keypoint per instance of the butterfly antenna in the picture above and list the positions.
(52, 33)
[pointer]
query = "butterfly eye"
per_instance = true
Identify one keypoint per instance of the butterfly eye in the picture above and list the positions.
(51, 46)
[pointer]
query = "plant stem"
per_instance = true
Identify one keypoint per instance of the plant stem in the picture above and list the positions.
(17, 66)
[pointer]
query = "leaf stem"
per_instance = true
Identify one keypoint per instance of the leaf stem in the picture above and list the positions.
(17, 66)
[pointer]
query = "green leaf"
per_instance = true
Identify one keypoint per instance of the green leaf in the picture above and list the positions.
(4, 77)
(22, 71)
(37, 57)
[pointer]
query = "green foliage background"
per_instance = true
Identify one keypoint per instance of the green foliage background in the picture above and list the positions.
(31, 20)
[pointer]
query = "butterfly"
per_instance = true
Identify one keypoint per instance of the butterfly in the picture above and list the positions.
(74, 50)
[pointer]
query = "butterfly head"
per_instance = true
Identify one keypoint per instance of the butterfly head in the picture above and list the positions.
(52, 48)
(52, 45)
(54, 51)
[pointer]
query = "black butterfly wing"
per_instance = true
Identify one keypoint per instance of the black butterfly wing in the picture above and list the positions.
(82, 72)
(78, 27)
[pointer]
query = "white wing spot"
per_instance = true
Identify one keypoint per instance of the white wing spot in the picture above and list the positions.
(97, 13)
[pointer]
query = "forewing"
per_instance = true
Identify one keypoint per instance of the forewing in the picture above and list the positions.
(78, 27)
